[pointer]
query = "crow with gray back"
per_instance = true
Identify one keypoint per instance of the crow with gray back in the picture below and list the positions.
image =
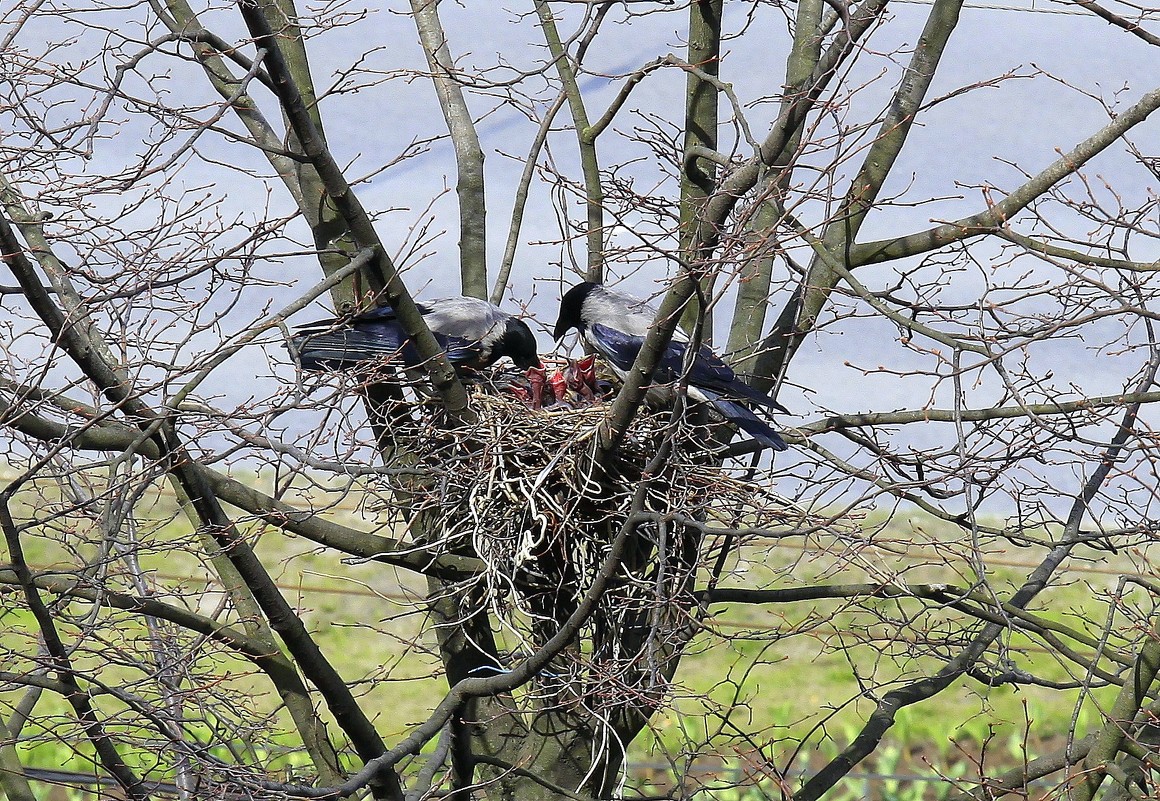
(615, 325)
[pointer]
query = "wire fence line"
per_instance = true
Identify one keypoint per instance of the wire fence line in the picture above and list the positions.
(1030, 9)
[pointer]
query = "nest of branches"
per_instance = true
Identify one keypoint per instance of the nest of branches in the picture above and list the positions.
(518, 489)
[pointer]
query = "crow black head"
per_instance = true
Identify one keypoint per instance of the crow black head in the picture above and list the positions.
(518, 343)
(570, 309)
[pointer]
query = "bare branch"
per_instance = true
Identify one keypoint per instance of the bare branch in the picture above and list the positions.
(385, 278)
(883, 716)
(468, 153)
(1133, 28)
(880, 159)
(1127, 705)
(594, 201)
(13, 781)
(94, 729)
(996, 216)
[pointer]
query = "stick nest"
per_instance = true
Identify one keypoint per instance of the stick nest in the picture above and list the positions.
(515, 489)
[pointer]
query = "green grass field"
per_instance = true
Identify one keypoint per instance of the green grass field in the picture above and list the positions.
(745, 674)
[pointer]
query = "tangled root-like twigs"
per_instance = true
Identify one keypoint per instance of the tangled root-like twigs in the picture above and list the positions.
(516, 489)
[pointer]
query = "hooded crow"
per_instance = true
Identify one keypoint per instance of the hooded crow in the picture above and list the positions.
(473, 333)
(615, 325)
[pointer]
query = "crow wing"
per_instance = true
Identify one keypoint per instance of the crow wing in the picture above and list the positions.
(746, 420)
(708, 371)
(710, 380)
(377, 334)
